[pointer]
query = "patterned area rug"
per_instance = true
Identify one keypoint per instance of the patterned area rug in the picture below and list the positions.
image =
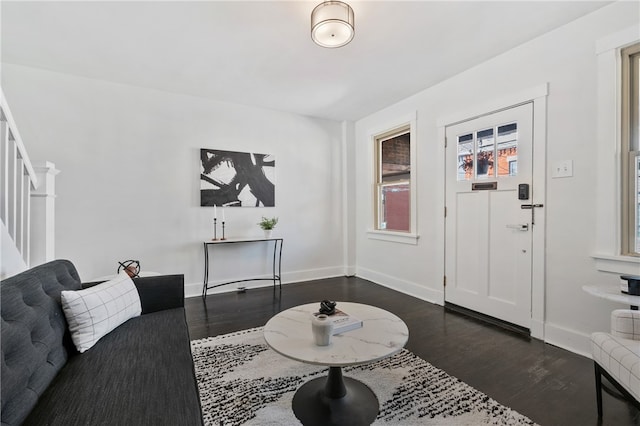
(242, 381)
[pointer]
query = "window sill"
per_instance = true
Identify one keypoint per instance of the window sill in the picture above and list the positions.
(617, 264)
(395, 237)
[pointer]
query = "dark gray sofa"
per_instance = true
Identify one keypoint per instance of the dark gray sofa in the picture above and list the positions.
(141, 373)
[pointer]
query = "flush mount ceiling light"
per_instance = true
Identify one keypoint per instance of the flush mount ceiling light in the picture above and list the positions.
(332, 24)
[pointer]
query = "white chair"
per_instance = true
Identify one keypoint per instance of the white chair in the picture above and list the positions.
(616, 356)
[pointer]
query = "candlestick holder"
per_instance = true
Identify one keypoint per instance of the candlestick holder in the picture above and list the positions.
(215, 229)
(223, 238)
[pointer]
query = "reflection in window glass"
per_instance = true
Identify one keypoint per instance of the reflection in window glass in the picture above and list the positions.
(394, 215)
(508, 150)
(477, 153)
(485, 150)
(465, 157)
(396, 158)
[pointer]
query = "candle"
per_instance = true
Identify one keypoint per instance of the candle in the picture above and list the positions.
(223, 212)
(215, 212)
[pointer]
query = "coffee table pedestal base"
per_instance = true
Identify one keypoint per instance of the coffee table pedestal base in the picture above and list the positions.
(334, 400)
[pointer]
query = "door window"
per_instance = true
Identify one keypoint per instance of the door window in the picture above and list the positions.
(488, 153)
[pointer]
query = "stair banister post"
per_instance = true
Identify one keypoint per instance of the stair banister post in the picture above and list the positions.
(43, 214)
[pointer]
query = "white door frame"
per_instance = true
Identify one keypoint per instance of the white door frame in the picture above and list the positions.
(538, 96)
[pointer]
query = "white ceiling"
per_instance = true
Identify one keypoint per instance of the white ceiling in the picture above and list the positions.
(261, 54)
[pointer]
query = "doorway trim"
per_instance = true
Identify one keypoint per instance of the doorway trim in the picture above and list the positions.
(538, 96)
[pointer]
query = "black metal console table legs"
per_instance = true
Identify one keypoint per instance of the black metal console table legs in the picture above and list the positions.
(276, 269)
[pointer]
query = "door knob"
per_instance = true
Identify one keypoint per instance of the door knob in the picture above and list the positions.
(519, 226)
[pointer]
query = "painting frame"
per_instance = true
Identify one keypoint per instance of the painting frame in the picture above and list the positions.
(236, 179)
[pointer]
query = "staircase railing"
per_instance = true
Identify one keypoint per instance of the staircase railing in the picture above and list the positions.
(17, 181)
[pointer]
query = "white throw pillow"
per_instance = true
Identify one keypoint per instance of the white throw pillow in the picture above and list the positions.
(93, 312)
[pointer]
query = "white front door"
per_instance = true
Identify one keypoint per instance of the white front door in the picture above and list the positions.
(488, 253)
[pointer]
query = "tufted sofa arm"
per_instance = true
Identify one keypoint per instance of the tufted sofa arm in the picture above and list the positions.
(35, 341)
(625, 323)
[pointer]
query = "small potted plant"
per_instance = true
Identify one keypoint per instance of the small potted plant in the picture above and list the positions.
(267, 225)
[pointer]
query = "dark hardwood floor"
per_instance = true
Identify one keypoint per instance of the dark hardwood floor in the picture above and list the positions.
(549, 385)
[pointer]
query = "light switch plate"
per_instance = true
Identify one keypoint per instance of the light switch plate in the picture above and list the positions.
(562, 169)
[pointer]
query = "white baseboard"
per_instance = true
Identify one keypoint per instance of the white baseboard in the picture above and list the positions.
(195, 289)
(313, 274)
(537, 329)
(406, 287)
(564, 338)
(349, 271)
(571, 340)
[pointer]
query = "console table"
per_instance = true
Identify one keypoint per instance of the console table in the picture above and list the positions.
(277, 261)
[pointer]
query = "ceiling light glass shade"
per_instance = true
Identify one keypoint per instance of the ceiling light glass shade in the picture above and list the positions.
(332, 24)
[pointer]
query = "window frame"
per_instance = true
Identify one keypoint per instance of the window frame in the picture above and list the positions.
(630, 78)
(608, 253)
(380, 183)
(408, 124)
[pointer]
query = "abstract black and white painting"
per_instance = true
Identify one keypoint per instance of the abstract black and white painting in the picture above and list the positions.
(236, 179)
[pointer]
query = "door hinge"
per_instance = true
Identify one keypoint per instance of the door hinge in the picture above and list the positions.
(444, 281)
(445, 142)
(445, 211)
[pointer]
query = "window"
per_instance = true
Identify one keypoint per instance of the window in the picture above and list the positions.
(615, 236)
(393, 180)
(631, 150)
(477, 152)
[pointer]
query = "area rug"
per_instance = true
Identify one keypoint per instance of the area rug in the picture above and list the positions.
(243, 382)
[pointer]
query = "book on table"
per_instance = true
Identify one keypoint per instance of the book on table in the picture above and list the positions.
(343, 322)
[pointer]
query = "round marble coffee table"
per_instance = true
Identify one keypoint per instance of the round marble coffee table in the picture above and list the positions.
(336, 400)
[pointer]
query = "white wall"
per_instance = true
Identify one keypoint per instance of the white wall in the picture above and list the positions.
(566, 60)
(11, 261)
(129, 181)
